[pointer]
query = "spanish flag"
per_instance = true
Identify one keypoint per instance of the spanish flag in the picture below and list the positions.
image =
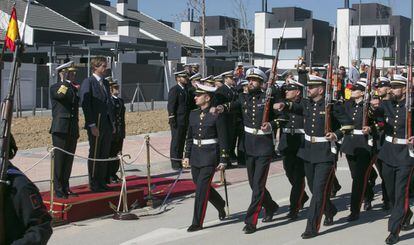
(12, 33)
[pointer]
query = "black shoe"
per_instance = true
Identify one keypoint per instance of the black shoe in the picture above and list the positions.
(392, 238)
(304, 200)
(329, 220)
(71, 194)
(367, 205)
(249, 229)
(105, 187)
(292, 215)
(222, 214)
(352, 217)
(61, 195)
(385, 206)
(269, 213)
(193, 228)
(335, 190)
(308, 234)
(114, 179)
(406, 226)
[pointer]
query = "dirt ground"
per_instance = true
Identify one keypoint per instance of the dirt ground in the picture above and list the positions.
(32, 132)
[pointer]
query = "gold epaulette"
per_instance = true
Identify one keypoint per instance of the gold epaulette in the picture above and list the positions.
(62, 90)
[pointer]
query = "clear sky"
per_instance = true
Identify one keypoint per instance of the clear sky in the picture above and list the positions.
(322, 9)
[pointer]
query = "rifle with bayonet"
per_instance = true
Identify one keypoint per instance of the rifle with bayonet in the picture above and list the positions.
(368, 88)
(408, 100)
(271, 80)
(6, 116)
(328, 88)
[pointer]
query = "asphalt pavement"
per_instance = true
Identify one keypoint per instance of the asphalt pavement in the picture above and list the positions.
(169, 226)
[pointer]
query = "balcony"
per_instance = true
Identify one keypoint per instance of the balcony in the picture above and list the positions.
(366, 53)
(289, 54)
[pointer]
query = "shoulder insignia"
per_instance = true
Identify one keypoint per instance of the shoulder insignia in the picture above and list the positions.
(197, 109)
(62, 90)
(36, 201)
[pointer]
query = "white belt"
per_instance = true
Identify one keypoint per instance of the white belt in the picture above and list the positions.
(357, 132)
(396, 140)
(314, 139)
(200, 142)
(293, 130)
(256, 131)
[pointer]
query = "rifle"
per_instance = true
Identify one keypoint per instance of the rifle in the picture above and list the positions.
(271, 80)
(370, 79)
(5, 127)
(408, 100)
(328, 88)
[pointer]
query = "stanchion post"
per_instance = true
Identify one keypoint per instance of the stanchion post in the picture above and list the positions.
(149, 197)
(52, 177)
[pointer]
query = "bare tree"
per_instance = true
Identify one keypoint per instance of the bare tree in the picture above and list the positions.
(244, 37)
(199, 7)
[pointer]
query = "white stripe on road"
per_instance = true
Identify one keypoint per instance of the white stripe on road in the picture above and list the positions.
(162, 235)
(166, 235)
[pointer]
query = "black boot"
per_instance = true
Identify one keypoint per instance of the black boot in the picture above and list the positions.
(392, 238)
(269, 213)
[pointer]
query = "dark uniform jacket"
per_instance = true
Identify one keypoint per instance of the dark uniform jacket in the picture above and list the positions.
(65, 108)
(353, 142)
(291, 141)
(202, 126)
(96, 100)
(27, 220)
(252, 108)
(224, 94)
(314, 125)
(392, 116)
(119, 112)
(179, 105)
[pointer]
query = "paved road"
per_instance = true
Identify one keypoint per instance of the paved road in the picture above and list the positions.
(170, 227)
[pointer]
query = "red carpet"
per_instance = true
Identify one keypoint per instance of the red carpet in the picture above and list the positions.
(91, 205)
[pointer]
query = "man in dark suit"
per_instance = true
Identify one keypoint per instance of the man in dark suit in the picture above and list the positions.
(99, 122)
(65, 129)
(206, 152)
(119, 135)
(225, 94)
(258, 145)
(358, 150)
(292, 137)
(397, 157)
(318, 150)
(178, 112)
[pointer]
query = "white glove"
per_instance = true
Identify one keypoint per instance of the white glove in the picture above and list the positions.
(221, 166)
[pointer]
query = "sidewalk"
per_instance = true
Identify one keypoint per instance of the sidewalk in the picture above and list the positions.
(40, 174)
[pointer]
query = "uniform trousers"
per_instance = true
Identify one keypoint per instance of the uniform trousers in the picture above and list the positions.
(178, 135)
(202, 177)
(257, 171)
(295, 172)
(116, 147)
(360, 167)
(379, 164)
(98, 169)
(319, 177)
(63, 162)
(397, 183)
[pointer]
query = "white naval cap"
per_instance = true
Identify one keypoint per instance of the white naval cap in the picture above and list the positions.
(196, 76)
(315, 80)
(182, 73)
(398, 80)
(228, 74)
(203, 89)
(257, 73)
(66, 66)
